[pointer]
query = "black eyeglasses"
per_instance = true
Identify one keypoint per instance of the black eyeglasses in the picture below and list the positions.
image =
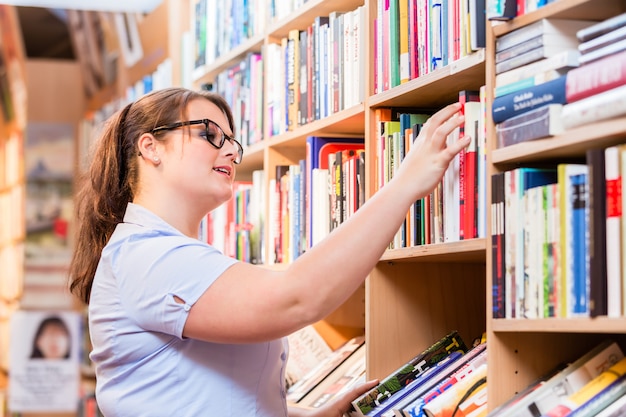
(214, 134)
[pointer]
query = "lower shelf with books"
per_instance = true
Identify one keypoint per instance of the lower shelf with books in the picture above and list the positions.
(520, 358)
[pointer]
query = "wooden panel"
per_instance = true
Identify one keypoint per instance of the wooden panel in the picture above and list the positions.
(410, 306)
(55, 91)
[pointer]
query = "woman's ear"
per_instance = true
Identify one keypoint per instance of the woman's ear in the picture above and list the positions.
(147, 149)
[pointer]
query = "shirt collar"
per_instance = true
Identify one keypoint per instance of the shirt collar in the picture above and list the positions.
(141, 216)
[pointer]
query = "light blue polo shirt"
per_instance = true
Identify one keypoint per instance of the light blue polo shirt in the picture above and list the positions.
(143, 365)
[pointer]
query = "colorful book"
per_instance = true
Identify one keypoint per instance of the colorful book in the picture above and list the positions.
(523, 101)
(596, 77)
(317, 150)
(407, 373)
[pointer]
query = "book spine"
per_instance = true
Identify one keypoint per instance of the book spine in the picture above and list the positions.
(510, 105)
(613, 228)
(597, 232)
(409, 372)
(539, 123)
(599, 76)
(602, 106)
(580, 270)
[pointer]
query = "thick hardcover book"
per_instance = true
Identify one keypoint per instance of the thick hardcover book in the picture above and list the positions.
(561, 27)
(531, 56)
(562, 62)
(605, 51)
(542, 122)
(404, 375)
(596, 77)
(544, 39)
(600, 28)
(510, 105)
(602, 106)
(602, 41)
(597, 233)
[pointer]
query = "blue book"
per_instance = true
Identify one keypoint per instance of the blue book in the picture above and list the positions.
(522, 101)
(580, 255)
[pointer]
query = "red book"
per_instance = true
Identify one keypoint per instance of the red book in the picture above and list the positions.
(468, 189)
(595, 77)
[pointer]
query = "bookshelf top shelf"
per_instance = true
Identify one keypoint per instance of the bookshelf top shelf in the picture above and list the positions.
(564, 9)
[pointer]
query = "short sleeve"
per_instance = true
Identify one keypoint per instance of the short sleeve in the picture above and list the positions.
(151, 272)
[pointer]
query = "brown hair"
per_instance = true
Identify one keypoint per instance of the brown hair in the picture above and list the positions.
(112, 179)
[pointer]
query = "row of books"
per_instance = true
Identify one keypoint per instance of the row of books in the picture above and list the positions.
(446, 375)
(456, 209)
(336, 373)
(592, 385)
(237, 227)
(334, 179)
(509, 9)
(558, 239)
(415, 37)
(306, 201)
(242, 87)
(317, 71)
(219, 26)
(558, 74)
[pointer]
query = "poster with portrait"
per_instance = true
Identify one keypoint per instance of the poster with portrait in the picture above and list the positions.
(44, 361)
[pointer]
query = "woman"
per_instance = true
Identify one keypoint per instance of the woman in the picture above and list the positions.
(52, 340)
(179, 329)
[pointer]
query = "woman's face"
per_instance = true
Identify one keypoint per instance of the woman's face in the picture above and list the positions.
(53, 342)
(195, 170)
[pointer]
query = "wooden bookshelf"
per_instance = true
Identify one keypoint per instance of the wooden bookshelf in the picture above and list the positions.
(520, 351)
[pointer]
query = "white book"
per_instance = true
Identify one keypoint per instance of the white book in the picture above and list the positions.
(606, 105)
(561, 61)
(563, 27)
(610, 49)
(613, 232)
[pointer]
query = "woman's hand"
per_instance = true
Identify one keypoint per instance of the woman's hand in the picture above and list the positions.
(424, 165)
(337, 407)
